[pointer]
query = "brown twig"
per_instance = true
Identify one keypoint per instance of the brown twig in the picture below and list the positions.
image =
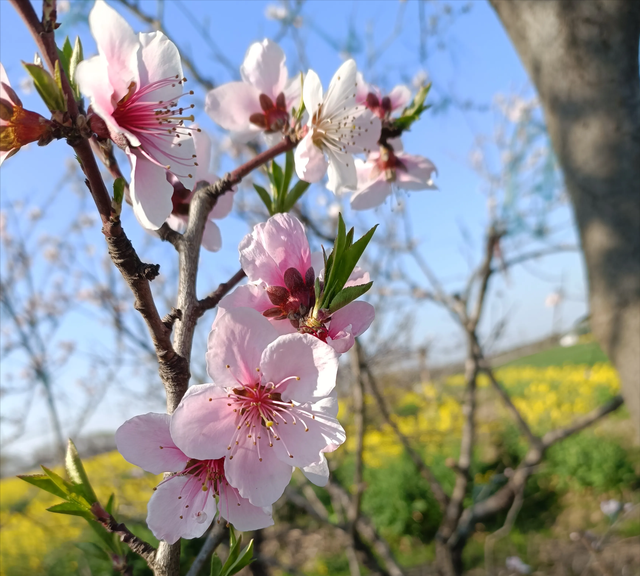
(213, 299)
(140, 547)
(216, 535)
(438, 492)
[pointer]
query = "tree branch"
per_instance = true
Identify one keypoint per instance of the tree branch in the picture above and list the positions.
(503, 497)
(137, 545)
(438, 492)
(220, 292)
(215, 537)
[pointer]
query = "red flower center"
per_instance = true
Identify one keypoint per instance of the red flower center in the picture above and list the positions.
(274, 117)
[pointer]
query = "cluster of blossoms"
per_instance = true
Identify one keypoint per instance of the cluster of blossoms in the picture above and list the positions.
(230, 447)
(272, 405)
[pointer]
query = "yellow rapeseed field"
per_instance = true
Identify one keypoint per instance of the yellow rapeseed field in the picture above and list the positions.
(547, 397)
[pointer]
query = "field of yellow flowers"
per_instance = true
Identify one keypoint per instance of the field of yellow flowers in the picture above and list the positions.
(547, 397)
(35, 541)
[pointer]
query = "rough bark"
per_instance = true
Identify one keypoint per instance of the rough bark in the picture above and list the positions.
(582, 57)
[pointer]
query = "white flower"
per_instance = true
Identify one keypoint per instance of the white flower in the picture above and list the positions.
(337, 127)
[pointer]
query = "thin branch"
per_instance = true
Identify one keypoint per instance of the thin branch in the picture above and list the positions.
(220, 292)
(582, 422)
(504, 496)
(137, 545)
(438, 492)
(215, 537)
(504, 531)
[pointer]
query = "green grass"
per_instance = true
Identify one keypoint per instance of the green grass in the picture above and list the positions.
(589, 353)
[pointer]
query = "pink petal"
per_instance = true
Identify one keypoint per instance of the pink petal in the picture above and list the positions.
(4, 79)
(349, 323)
(252, 296)
(169, 518)
(311, 165)
(362, 89)
(150, 192)
(273, 247)
(223, 206)
(211, 238)
(357, 277)
(418, 174)
(292, 92)
(372, 195)
(342, 172)
(146, 442)
(231, 105)
(312, 92)
(302, 446)
(93, 80)
(118, 44)
(240, 512)
(341, 89)
(177, 222)
(318, 473)
(235, 346)
(400, 96)
(203, 424)
(262, 482)
(159, 59)
(264, 67)
(202, 143)
(312, 364)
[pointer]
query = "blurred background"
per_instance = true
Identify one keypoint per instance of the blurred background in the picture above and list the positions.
(495, 243)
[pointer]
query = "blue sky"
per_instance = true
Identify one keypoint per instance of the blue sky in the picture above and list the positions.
(469, 60)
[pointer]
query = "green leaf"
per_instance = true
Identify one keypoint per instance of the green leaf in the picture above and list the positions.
(66, 487)
(71, 508)
(235, 542)
(77, 56)
(111, 540)
(118, 190)
(335, 259)
(348, 295)
(289, 166)
(277, 180)
(92, 550)
(412, 112)
(77, 474)
(64, 55)
(216, 565)
(265, 197)
(45, 483)
(47, 87)
(351, 256)
(295, 194)
(244, 559)
(73, 492)
(110, 504)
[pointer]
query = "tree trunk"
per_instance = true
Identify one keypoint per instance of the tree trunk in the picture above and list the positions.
(582, 56)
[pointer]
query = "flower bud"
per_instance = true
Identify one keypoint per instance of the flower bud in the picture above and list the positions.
(19, 126)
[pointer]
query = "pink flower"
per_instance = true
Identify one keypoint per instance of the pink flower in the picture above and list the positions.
(272, 406)
(17, 125)
(264, 98)
(184, 504)
(134, 84)
(387, 169)
(338, 127)
(382, 106)
(211, 239)
(282, 272)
